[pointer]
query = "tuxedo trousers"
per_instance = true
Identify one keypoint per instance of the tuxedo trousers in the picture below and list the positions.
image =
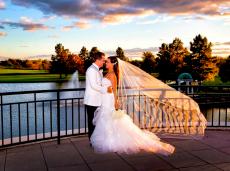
(90, 113)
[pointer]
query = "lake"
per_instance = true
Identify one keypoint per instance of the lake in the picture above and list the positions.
(43, 110)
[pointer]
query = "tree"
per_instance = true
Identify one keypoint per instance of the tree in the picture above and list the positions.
(170, 60)
(89, 59)
(177, 54)
(149, 62)
(45, 64)
(200, 63)
(59, 61)
(164, 66)
(224, 71)
(92, 53)
(74, 62)
(28, 64)
(120, 54)
(84, 54)
(137, 63)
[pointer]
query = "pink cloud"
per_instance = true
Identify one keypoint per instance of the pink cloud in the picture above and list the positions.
(3, 34)
(26, 24)
(2, 4)
(115, 11)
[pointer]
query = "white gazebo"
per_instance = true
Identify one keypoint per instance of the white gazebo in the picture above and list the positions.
(185, 78)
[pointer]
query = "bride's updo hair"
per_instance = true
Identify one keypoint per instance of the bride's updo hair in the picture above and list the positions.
(114, 61)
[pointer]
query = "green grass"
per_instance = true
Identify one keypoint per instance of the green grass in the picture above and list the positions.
(81, 77)
(20, 71)
(32, 78)
(24, 76)
(217, 81)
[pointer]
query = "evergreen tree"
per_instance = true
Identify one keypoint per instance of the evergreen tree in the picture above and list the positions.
(170, 61)
(200, 63)
(89, 60)
(149, 62)
(177, 54)
(58, 61)
(84, 54)
(120, 54)
(164, 66)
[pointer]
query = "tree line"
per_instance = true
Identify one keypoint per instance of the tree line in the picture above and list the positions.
(171, 60)
(65, 62)
(26, 64)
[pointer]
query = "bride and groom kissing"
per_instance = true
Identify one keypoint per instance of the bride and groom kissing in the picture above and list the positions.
(106, 132)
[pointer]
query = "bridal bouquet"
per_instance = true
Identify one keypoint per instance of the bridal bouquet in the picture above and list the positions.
(118, 114)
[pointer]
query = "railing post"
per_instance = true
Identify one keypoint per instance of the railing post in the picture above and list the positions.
(2, 127)
(139, 107)
(35, 115)
(58, 118)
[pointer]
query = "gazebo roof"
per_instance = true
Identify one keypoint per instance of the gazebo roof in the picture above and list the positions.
(185, 76)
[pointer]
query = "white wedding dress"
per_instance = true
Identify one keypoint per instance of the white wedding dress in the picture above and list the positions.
(116, 132)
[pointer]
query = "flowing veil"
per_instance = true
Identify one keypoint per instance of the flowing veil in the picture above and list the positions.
(155, 106)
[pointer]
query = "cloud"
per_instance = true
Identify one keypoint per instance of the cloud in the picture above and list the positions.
(82, 25)
(221, 48)
(159, 19)
(78, 24)
(222, 53)
(53, 36)
(195, 17)
(67, 28)
(47, 18)
(26, 24)
(2, 5)
(116, 11)
(221, 43)
(3, 34)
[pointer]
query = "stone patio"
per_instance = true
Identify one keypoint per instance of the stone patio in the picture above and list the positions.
(212, 153)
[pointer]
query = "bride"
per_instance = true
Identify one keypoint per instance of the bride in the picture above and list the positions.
(114, 129)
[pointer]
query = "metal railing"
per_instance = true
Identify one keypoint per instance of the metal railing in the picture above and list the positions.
(214, 102)
(38, 115)
(30, 116)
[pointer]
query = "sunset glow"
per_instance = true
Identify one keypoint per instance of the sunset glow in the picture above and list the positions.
(33, 28)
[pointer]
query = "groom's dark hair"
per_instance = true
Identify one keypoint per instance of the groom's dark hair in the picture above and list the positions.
(98, 55)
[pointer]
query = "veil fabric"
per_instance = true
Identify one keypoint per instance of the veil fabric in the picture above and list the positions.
(156, 106)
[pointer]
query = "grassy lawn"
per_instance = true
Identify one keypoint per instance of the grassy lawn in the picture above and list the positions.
(20, 71)
(23, 76)
(32, 78)
(217, 81)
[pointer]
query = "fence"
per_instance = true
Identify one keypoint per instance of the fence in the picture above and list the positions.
(30, 116)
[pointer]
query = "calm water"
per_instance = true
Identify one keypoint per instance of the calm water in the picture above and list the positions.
(27, 110)
(73, 83)
(217, 116)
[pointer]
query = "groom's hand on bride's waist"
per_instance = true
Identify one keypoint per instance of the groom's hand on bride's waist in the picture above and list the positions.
(110, 89)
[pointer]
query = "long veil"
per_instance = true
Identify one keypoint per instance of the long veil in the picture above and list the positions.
(155, 106)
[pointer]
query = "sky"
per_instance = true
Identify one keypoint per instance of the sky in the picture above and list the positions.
(34, 27)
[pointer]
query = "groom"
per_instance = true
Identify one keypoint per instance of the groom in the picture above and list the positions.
(94, 89)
